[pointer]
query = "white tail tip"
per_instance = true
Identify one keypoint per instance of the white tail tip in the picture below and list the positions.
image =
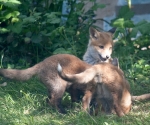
(59, 68)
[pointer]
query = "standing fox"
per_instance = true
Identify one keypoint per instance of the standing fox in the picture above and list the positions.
(114, 86)
(47, 73)
(99, 48)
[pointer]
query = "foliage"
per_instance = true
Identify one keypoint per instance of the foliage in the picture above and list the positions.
(34, 29)
(133, 38)
(126, 27)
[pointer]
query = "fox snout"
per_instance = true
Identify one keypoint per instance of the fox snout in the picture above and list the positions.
(104, 52)
(104, 58)
(107, 57)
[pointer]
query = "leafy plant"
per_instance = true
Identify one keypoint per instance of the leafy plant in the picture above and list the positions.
(8, 14)
(34, 29)
(126, 27)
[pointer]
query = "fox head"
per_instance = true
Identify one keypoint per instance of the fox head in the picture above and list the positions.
(100, 44)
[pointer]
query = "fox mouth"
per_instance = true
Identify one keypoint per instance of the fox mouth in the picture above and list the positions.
(102, 59)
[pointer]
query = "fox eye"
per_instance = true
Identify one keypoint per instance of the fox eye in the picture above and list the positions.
(110, 48)
(102, 47)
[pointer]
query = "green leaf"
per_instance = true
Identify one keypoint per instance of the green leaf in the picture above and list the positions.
(15, 13)
(125, 13)
(49, 15)
(37, 15)
(16, 28)
(27, 40)
(141, 23)
(54, 20)
(36, 38)
(29, 19)
(7, 14)
(29, 34)
(10, 3)
(10, 66)
(61, 51)
(142, 26)
(119, 23)
(134, 32)
(128, 15)
(119, 30)
(145, 28)
(14, 20)
(128, 24)
(4, 30)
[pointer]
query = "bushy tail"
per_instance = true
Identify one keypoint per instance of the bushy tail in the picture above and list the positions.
(141, 97)
(81, 78)
(20, 75)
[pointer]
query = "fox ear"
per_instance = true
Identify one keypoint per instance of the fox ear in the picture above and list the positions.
(112, 33)
(115, 62)
(93, 33)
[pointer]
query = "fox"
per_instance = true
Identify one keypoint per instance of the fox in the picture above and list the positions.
(114, 85)
(112, 90)
(46, 72)
(99, 48)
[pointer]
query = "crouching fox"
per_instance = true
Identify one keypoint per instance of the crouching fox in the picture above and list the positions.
(99, 49)
(112, 82)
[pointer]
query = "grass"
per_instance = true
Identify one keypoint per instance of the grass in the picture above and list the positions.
(24, 103)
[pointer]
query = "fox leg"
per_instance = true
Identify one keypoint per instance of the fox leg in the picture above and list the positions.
(86, 100)
(98, 107)
(55, 100)
(116, 105)
(104, 105)
(75, 94)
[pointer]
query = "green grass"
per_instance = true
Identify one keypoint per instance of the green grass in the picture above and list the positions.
(24, 103)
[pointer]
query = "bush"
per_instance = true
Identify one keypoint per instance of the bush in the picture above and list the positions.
(33, 30)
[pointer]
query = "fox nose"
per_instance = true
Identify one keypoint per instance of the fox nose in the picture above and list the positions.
(107, 57)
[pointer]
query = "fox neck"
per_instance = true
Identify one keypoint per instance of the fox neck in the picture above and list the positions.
(91, 56)
(90, 59)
